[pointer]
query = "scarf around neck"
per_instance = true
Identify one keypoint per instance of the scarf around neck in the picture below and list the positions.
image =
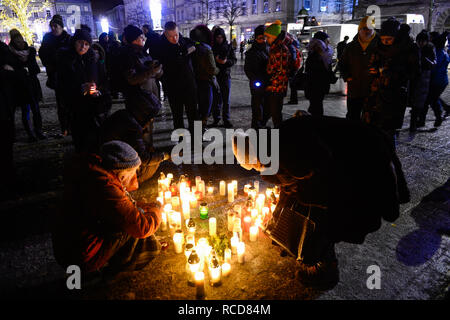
(22, 55)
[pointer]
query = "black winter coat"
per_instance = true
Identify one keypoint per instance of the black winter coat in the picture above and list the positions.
(26, 85)
(352, 175)
(224, 50)
(75, 70)
(178, 73)
(317, 77)
(255, 66)
(152, 44)
(48, 54)
(355, 64)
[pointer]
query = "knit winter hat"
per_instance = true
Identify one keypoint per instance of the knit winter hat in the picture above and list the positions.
(274, 29)
(57, 19)
(321, 36)
(118, 155)
(131, 33)
(259, 30)
(367, 23)
(390, 27)
(82, 34)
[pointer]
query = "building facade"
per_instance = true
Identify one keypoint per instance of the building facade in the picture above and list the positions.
(116, 19)
(437, 10)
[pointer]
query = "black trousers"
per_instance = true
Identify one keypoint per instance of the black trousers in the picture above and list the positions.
(178, 103)
(260, 110)
(316, 105)
(354, 108)
(275, 107)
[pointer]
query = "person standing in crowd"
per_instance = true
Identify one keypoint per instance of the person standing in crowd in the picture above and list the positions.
(27, 89)
(390, 69)
(255, 68)
(205, 70)
(178, 75)
(279, 68)
(335, 171)
(339, 51)
(51, 43)
(100, 227)
(421, 82)
(438, 82)
(139, 72)
(318, 72)
(225, 58)
(84, 91)
(152, 41)
(242, 49)
(6, 123)
(354, 66)
(292, 82)
(112, 59)
(103, 40)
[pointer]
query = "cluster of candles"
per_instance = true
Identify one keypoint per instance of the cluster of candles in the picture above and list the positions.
(179, 199)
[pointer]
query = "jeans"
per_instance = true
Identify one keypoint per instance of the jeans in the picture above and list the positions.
(37, 119)
(205, 98)
(221, 102)
(260, 111)
(180, 101)
(433, 101)
(63, 113)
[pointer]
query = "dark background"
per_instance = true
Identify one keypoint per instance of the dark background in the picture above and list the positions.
(100, 6)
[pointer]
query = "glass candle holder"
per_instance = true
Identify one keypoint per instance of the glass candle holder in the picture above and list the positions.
(203, 210)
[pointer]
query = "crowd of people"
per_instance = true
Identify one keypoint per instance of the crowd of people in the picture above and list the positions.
(102, 226)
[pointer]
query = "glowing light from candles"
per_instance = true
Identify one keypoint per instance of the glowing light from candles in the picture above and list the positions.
(212, 226)
(241, 252)
(222, 187)
(253, 233)
(226, 269)
(178, 242)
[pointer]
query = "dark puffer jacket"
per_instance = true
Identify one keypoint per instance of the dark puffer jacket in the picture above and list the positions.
(344, 166)
(48, 54)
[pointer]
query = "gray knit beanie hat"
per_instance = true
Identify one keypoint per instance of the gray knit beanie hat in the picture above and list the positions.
(118, 155)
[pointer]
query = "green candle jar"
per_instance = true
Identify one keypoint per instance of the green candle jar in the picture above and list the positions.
(203, 210)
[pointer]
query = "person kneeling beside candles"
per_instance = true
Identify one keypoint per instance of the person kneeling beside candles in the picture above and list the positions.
(100, 227)
(344, 173)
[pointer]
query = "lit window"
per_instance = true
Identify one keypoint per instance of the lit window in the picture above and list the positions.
(49, 14)
(323, 5)
(307, 4)
(266, 6)
(278, 6)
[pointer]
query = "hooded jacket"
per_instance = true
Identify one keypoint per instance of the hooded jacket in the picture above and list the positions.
(96, 209)
(255, 66)
(281, 63)
(223, 50)
(317, 69)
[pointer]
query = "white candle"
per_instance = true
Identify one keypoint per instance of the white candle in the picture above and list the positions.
(256, 185)
(193, 201)
(246, 188)
(265, 211)
(190, 238)
(254, 214)
(241, 252)
(197, 181)
(222, 188)
(202, 188)
(230, 216)
(235, 186)
(210, 191)
(272, 207)
(202, 247)
(212, 226)
(215, 274)
(178, 242)
(200, 284)
(238, 210)
(234, 243)
(160, 200)
(226, 268)
(268, 192)
(253, 233)
(169, 176)
(176, 217)
(167, 196)
(227, 255)
(230, 192)
(182, 189)
(186, 210)
(164, 221)
(175, 202)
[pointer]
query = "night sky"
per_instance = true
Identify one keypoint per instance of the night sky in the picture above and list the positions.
(99, 6)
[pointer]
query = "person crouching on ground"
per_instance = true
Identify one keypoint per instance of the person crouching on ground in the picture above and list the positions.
(344, 174)
(100, 226)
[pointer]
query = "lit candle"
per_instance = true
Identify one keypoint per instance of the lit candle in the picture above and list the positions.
(210, 190)
(168, 207)
(186, 210)
(169, 176)
(212, 226)
(182, 189)
(193, 201)
(265, 211)
(226, 268)
(188, 249)
(192, 266)
(253, 233)
(234, 243)
(260, 202)
(160, 200)
(227, 255)
(203, 210)
(237, 227)
(178, 242)
(215, 272)
(175, 203)
(252, 193)
(272, 207)
(268, 193)
(222, 188)
(230, 192)
(254, 214)
(241, 252)
(163, 221)
(190, 225)
(246, 189)
(230, 215)
(247, 223)
(167, 196)
(197, 181)
(200, 284)
(176, 217)
(256, 185)
(235, 186)
(238, 210)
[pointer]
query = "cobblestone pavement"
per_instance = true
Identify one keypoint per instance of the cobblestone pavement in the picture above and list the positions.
(412, 253)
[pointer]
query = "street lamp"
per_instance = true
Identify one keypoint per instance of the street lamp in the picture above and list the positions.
(155, 12)
(105, 25)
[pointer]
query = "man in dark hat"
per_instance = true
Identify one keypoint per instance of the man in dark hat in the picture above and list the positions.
(255, 68)
(51, 43)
